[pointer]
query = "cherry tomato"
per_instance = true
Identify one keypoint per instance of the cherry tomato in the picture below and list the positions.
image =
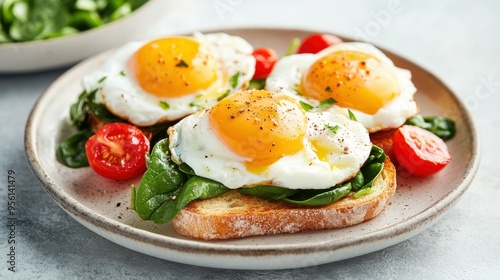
(118, 151)
(419, 151)
(317, 42)
(265, 58)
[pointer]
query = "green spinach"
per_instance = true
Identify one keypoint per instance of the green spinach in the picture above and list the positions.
(442, 127)
(362, 181)
(166, 187)
(71, 152)
(27, 20)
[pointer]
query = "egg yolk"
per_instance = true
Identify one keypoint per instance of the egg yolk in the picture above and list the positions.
(259, 125)
(354, 79)
(173, 67)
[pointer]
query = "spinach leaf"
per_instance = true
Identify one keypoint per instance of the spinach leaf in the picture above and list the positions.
(370, 172)
(159, 185)
(358, 181)
(300, 197)
(197, 188)
(79, 111)
(122, 11)
(320, 197)
(164, 189)
(71, 152)
(99, 110)
(370, 169)
(442, 127)
(376, 155)
(269, 192)
(361, 183)
(23, 20)
(184, 167)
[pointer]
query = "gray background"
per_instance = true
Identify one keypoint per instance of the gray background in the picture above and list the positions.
(459, 41)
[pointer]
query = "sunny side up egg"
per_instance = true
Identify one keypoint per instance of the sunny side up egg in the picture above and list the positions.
(169, 78)
(257, 137)
(357, 76)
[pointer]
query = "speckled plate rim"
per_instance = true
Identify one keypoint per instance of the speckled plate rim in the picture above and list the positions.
(262, 257)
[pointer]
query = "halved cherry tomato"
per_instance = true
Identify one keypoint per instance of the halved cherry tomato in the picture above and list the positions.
(419, 151)
(118, 151)
(317, 42)
(265, 58)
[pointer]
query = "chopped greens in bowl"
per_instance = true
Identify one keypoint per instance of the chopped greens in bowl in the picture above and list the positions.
(29, 20)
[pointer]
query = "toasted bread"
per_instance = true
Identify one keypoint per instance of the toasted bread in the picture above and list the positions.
(235, 215)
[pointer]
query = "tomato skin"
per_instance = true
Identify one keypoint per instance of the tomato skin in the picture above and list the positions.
(317, 42)
(265, 58)
(118, 151)
(419, 151)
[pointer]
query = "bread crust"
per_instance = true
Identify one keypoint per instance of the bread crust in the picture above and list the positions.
(235, 215)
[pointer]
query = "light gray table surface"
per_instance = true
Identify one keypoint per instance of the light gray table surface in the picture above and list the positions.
(459, 41)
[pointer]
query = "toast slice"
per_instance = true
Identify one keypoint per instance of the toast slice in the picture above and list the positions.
(235, 215)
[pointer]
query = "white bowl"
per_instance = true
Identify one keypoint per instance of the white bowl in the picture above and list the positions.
(40, 55)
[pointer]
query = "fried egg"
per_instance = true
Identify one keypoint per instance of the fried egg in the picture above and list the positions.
(168, 78)
(356, 77)
(257, 137)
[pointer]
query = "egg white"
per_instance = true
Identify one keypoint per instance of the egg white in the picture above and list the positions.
(122, 95)
(194, 142)
(288, 72)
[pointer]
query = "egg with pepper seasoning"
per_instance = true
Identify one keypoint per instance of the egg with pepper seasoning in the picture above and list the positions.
(355, 77)
(169, 78)
(258, 137)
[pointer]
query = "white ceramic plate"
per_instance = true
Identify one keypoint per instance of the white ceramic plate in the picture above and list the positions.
(103, 205)
(41, 55)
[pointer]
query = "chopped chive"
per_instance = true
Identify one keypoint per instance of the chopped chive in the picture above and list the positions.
(224, 95)
(351, 115)
(182, 63)
(234, 79)
(192, 104)
(327, 102)
(328, 89)
(122, 73)
(307, 107)
(164, 105)
(102, 79)
(333, 129)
